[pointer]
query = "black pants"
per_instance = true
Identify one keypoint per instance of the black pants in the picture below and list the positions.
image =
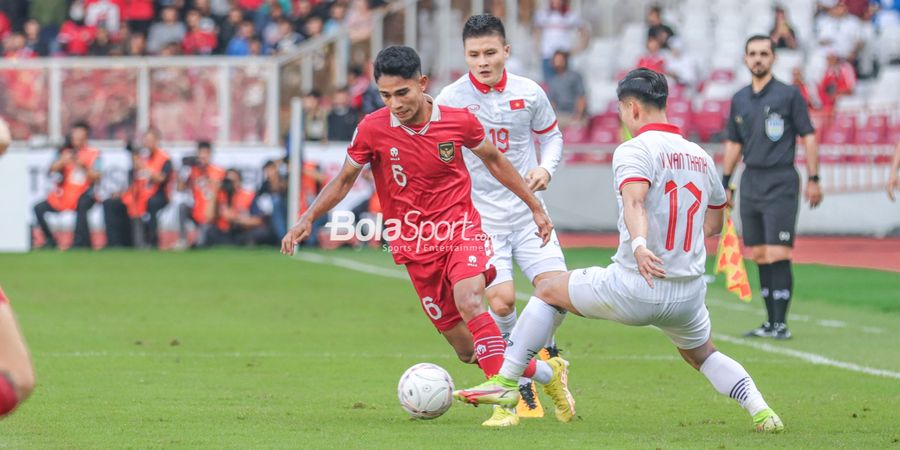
(156, 203)
(82, 231)
(118, 224)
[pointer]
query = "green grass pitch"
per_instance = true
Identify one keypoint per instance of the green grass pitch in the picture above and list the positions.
(250, 349)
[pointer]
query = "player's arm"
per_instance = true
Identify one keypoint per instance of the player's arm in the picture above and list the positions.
(636, 220)
(545, 126)
(93, 172)
(506, 174)
(163, 174)
(732, 156)
(331, 195)
(813, 191)
(713, 221)
(65, 156)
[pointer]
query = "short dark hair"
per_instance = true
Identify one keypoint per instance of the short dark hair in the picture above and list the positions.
(398, 60)
(759, 37)
(481, 25)
(83, 125)
(645, 85)
(204, 145)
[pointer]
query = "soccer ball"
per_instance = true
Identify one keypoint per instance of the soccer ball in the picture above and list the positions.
(425, 391)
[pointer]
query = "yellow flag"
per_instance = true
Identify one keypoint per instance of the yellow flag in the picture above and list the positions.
(730, 261)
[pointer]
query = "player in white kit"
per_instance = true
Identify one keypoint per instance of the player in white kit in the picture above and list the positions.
(669, 198)
(514, 112)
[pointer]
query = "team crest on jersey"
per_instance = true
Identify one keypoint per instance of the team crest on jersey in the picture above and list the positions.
(473, 107)
(774, 126)
(446, 151)
(395, 154)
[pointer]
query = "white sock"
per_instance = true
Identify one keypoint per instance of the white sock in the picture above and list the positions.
(528, 337)
(730, 378)
(504, 323)
(557, 321)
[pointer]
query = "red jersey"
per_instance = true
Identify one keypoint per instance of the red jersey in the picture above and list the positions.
(421, 180)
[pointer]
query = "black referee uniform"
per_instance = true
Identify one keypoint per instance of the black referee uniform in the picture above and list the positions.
(767, 124)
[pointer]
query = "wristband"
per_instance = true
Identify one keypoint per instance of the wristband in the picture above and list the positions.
(814, 178)
(638, 242)
(726, 182)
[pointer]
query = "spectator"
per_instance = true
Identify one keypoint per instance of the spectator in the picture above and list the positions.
(138, 15)
(50, 14)
(566, 91)
(288, 39)
(165, 32)
(782, 32)
(240, 43)
(228, 28)
(653, 59)
(313, 27)
(656, 27)
(841, 31)
(218, 8)
(137, 45)
(359, 20)
(77, 170)
(559, 28)
(149, 189)
(171, 49)
(364, 96)
(315, 118)
(233, 222)
(336, 17)
(267, 24)
(839, 80)
(256, 47)
(202, 178)
(201, 37)
(34, 39)
(14, 47)
(74, 36)
(864, 9)
(103, 13)
(797, 79)
(102, 44)
(5, 25)
(269, 202)
(342, 119)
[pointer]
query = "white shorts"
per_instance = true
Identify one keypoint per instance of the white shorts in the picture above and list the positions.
(525, 246)
(674, 306)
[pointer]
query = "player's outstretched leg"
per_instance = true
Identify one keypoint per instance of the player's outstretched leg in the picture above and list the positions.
(16, 373)
(731, 379)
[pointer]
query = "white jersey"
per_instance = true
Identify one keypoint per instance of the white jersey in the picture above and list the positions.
(510, 112)
(683, 184)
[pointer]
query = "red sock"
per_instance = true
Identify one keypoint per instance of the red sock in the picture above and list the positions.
(531, 369)
(8, 398)
(489, 344)
(3, 298)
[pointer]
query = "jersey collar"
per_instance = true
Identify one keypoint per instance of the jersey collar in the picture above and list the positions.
(435, 117)
(664, 127)
(483, 88)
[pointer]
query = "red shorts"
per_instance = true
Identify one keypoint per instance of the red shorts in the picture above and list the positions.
(434, 280)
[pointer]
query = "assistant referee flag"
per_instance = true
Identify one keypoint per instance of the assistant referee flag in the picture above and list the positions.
(730, 261)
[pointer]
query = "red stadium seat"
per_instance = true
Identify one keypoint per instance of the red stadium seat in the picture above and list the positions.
(576, 134)
(604, 135)
(874, 132)
(725, 75)
(606, 120)
(841, 131)
(711, 118)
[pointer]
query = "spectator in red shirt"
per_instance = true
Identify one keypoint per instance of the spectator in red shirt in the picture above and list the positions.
(138, 14)
(75, 37)
(103, 13)
(839, 80)
(201, 37)
(653, 59)
(5, 26)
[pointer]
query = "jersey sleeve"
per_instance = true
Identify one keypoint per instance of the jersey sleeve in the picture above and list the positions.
(544, 118)
(800, 114)
(473, 131)
(632, 164)
(732, 128)
(359, 153)
(716, 189)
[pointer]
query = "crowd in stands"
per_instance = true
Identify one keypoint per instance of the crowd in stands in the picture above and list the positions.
(173, 27)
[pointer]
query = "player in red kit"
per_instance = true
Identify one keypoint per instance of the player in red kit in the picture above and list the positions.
(16, 372)
(414, 148)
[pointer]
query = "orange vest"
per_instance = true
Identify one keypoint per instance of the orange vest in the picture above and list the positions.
(143, 187)
(240, 203)
(75, 181)
(200, 185)
(309, 186)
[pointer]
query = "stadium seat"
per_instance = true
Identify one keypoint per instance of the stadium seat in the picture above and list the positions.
(841, 131)
(723, 75)
(604, 135)
(576, 134)
(710, 119)
(605, 120)
(874, 132)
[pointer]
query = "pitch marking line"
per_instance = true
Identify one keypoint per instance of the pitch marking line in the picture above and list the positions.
(811, 358)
